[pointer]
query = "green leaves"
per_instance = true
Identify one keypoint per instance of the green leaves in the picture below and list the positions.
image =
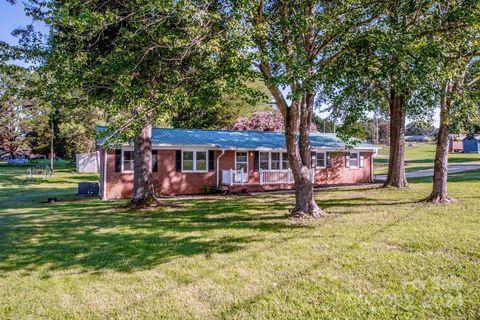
(141, 57)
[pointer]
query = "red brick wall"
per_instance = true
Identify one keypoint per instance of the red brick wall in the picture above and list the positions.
(339, 174)
(169, 182)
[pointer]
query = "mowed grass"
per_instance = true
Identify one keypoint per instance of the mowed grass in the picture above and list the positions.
(419, 156)
(377, 254)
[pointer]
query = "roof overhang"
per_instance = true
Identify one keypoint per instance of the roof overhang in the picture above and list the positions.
(260, 149)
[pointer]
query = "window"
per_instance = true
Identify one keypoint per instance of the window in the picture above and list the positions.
(354, 159)
(275, 160)
(187, 161)
(127, 162)
(264, 161)
(241, 161)
(201, 161)
(194, 161)
(285, 163)
(321, 160)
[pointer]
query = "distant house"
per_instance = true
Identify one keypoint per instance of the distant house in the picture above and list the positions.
(420, 138)
(455, 144)
(188, 161)
(471, 144)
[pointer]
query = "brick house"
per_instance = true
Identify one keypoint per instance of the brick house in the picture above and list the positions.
(190, 161)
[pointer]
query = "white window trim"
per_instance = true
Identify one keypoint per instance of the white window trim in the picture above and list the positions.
(195, 160)
(358, 160)
(248, 167)
(122, 160)
(270, 160)
(324, 159)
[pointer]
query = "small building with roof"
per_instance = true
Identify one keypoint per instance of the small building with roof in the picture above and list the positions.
(471, 144)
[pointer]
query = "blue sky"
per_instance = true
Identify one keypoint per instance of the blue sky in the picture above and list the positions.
(12, 17)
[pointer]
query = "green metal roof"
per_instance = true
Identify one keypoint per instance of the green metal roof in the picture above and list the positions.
(231, 139)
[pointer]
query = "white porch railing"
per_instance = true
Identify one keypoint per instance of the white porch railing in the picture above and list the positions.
(279, 176)
(276, 176)
(231, 177)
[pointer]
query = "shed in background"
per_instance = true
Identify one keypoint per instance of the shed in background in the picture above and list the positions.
(87, 162)
(471, 144)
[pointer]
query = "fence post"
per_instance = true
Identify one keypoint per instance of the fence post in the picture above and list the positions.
(242, 177)
(261, 176)
(231, 177)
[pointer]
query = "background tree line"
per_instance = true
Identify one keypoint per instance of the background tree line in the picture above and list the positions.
(189, 63)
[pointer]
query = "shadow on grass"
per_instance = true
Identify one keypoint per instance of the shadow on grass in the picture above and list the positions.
(93, 235)
(367, 202)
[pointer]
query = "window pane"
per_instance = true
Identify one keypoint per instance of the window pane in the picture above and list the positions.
(275, 160)
(241, 166)
(201, 155)
(201, 165)
(353, 159)
(201, 160)
(127, 155)
(128, 165)
(264, 160)
(242, 157)
(127, 160)
(320, 159)
(188, 165)
(187, 155)
(285, 163)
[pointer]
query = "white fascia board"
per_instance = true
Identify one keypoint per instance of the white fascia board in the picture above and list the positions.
(361, 149)
(270, 150)
(174, 147)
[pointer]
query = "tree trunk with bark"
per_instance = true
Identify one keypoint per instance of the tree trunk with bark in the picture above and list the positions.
(143, 191)
(299, 156)
(440, 171)
(396, 163)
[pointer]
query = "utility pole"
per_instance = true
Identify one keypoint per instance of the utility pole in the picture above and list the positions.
(51, 145)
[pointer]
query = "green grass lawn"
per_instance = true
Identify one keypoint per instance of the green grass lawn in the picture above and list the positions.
(378, 254)
(419, 156)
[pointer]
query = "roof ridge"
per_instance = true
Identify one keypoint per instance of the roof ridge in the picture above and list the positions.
(228, 130)
(246, 131)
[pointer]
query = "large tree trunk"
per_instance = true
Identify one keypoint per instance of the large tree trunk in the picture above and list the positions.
(396, 163)
(298, 146)
(143, 192)
(299, 156)
(440, 171)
